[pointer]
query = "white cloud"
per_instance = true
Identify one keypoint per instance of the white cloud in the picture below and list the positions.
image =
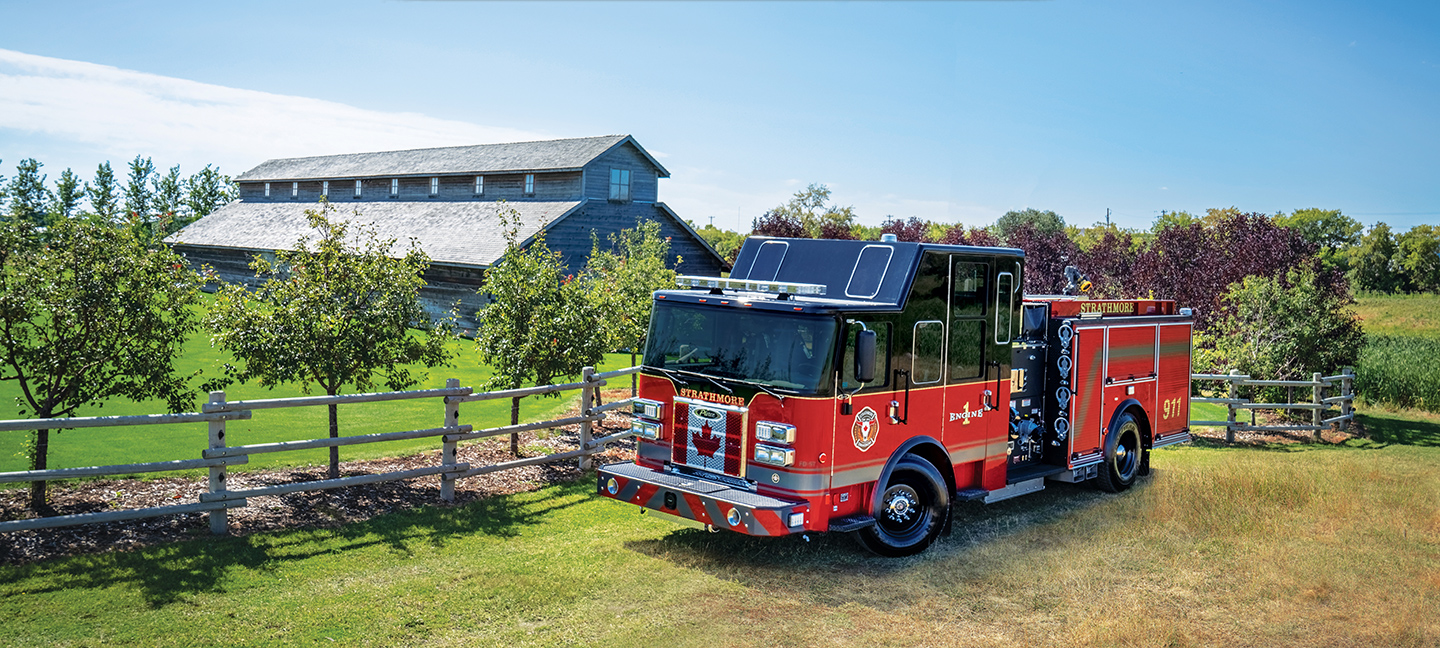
(119, 113)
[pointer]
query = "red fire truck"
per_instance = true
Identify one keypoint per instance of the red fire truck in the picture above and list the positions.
(856, 386)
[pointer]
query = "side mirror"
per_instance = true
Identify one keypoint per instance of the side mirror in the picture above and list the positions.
(865, 356)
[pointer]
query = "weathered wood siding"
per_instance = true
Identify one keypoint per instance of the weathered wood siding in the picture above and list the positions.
(644, 182)
(550, 186)
(572, 236)
(446, 285)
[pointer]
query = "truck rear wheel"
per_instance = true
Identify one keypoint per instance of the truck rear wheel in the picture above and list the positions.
(913, 507)
(1123, 452)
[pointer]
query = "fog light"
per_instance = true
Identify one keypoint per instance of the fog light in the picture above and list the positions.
(733, 517)
(612, 486)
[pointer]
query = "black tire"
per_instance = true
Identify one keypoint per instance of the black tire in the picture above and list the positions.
(914, 505)
(1123, 454)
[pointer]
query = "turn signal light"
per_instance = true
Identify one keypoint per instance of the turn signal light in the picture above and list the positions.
(776, 432)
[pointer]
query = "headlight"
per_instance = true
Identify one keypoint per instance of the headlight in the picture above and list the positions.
(646, 429)
(647, 408)
(774, 456)
(776, 432)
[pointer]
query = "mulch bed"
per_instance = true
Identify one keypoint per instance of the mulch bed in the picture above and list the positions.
(315, 509)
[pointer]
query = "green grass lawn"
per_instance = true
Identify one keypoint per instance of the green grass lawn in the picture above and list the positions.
(103, 446)
(1404, 315)
(1316, 546)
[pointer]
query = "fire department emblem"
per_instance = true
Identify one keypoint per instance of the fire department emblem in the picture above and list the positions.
(865, 429)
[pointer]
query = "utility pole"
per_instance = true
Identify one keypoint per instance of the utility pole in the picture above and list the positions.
(1107, 217)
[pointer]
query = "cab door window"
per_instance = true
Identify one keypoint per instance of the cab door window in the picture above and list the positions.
(965, 355)
(882, 357)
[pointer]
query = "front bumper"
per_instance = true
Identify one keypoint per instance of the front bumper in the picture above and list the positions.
(702, 500)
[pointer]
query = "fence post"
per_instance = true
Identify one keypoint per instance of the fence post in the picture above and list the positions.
(1346, 389)
(1317, 414)
(587, 403)
(219, 519)
(447, 444)
(1230, 405)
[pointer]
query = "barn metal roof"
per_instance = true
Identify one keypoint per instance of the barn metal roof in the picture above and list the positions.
(511, 157)
(458, 233)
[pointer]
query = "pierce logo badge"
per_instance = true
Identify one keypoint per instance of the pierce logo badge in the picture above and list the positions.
(865, 430)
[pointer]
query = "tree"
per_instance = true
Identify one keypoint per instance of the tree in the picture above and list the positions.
(138, 202)
(339, 310)
(1044, 223)
(1418, 254)
(958, 234)
(1047, 252)
(775, 223)
(168, 199)
(29, 197)
(1332, 232)
(1285, 328)
(1107, 257)
(87, 314)
(540, 323)
(205, 192)
(1371, 262)
(68, 192)
(811, 208)
(102, 193)
(912, 230)
(1169, 219)
(725, 242)
(623, 280)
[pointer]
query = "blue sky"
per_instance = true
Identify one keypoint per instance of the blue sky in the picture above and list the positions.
(950, 111)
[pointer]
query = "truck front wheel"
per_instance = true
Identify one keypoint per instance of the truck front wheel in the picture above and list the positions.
(913, 506)
(1123, 452)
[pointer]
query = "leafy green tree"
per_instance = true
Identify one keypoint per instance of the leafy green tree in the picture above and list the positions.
(336, 311)
(168, 198)
(623, 279)
(29, 197)
(812, 208)
(1041, 223)
(1169, 219)
(205, 192)
(68, 192)
(540, 323)
(1418, 254)
(1332, 232)
(1372, 262)
(4, 189)
(1285, 328)
(725, 242)
(138, 201)
(89, 313)
(102, 194)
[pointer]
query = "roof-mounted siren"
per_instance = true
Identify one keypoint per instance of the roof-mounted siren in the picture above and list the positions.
(783, 289)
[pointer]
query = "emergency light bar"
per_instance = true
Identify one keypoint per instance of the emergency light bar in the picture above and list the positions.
(771, 287)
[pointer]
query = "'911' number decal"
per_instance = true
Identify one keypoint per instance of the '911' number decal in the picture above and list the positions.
(1172, 407)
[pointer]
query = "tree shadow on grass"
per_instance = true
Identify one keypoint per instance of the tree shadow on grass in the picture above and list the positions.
(169, 573)
(1400, 431)
(832, 569)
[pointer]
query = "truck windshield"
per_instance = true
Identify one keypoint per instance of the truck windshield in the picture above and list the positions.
(786, 351)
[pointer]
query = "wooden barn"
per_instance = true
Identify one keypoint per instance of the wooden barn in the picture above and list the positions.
(448, 199)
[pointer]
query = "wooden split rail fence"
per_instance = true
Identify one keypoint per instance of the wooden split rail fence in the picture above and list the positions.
(1319, 404)
(218, 456)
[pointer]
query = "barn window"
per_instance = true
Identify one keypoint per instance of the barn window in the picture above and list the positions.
(267, 190)
(394, 187)
(529, 184)
(294, 189)
(434, 186)
(479, 185)
(357, 188)
(619, 184)
(325, 189)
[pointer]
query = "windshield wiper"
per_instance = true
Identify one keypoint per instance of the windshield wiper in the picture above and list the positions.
(671, 373)
(706, 377)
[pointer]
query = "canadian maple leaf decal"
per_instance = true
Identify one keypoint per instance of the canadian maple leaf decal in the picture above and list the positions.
(706, 441)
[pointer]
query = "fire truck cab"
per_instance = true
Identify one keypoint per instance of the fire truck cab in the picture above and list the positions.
(861, 386)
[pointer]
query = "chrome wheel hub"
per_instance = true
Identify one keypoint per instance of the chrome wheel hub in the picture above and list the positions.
(900, 503)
